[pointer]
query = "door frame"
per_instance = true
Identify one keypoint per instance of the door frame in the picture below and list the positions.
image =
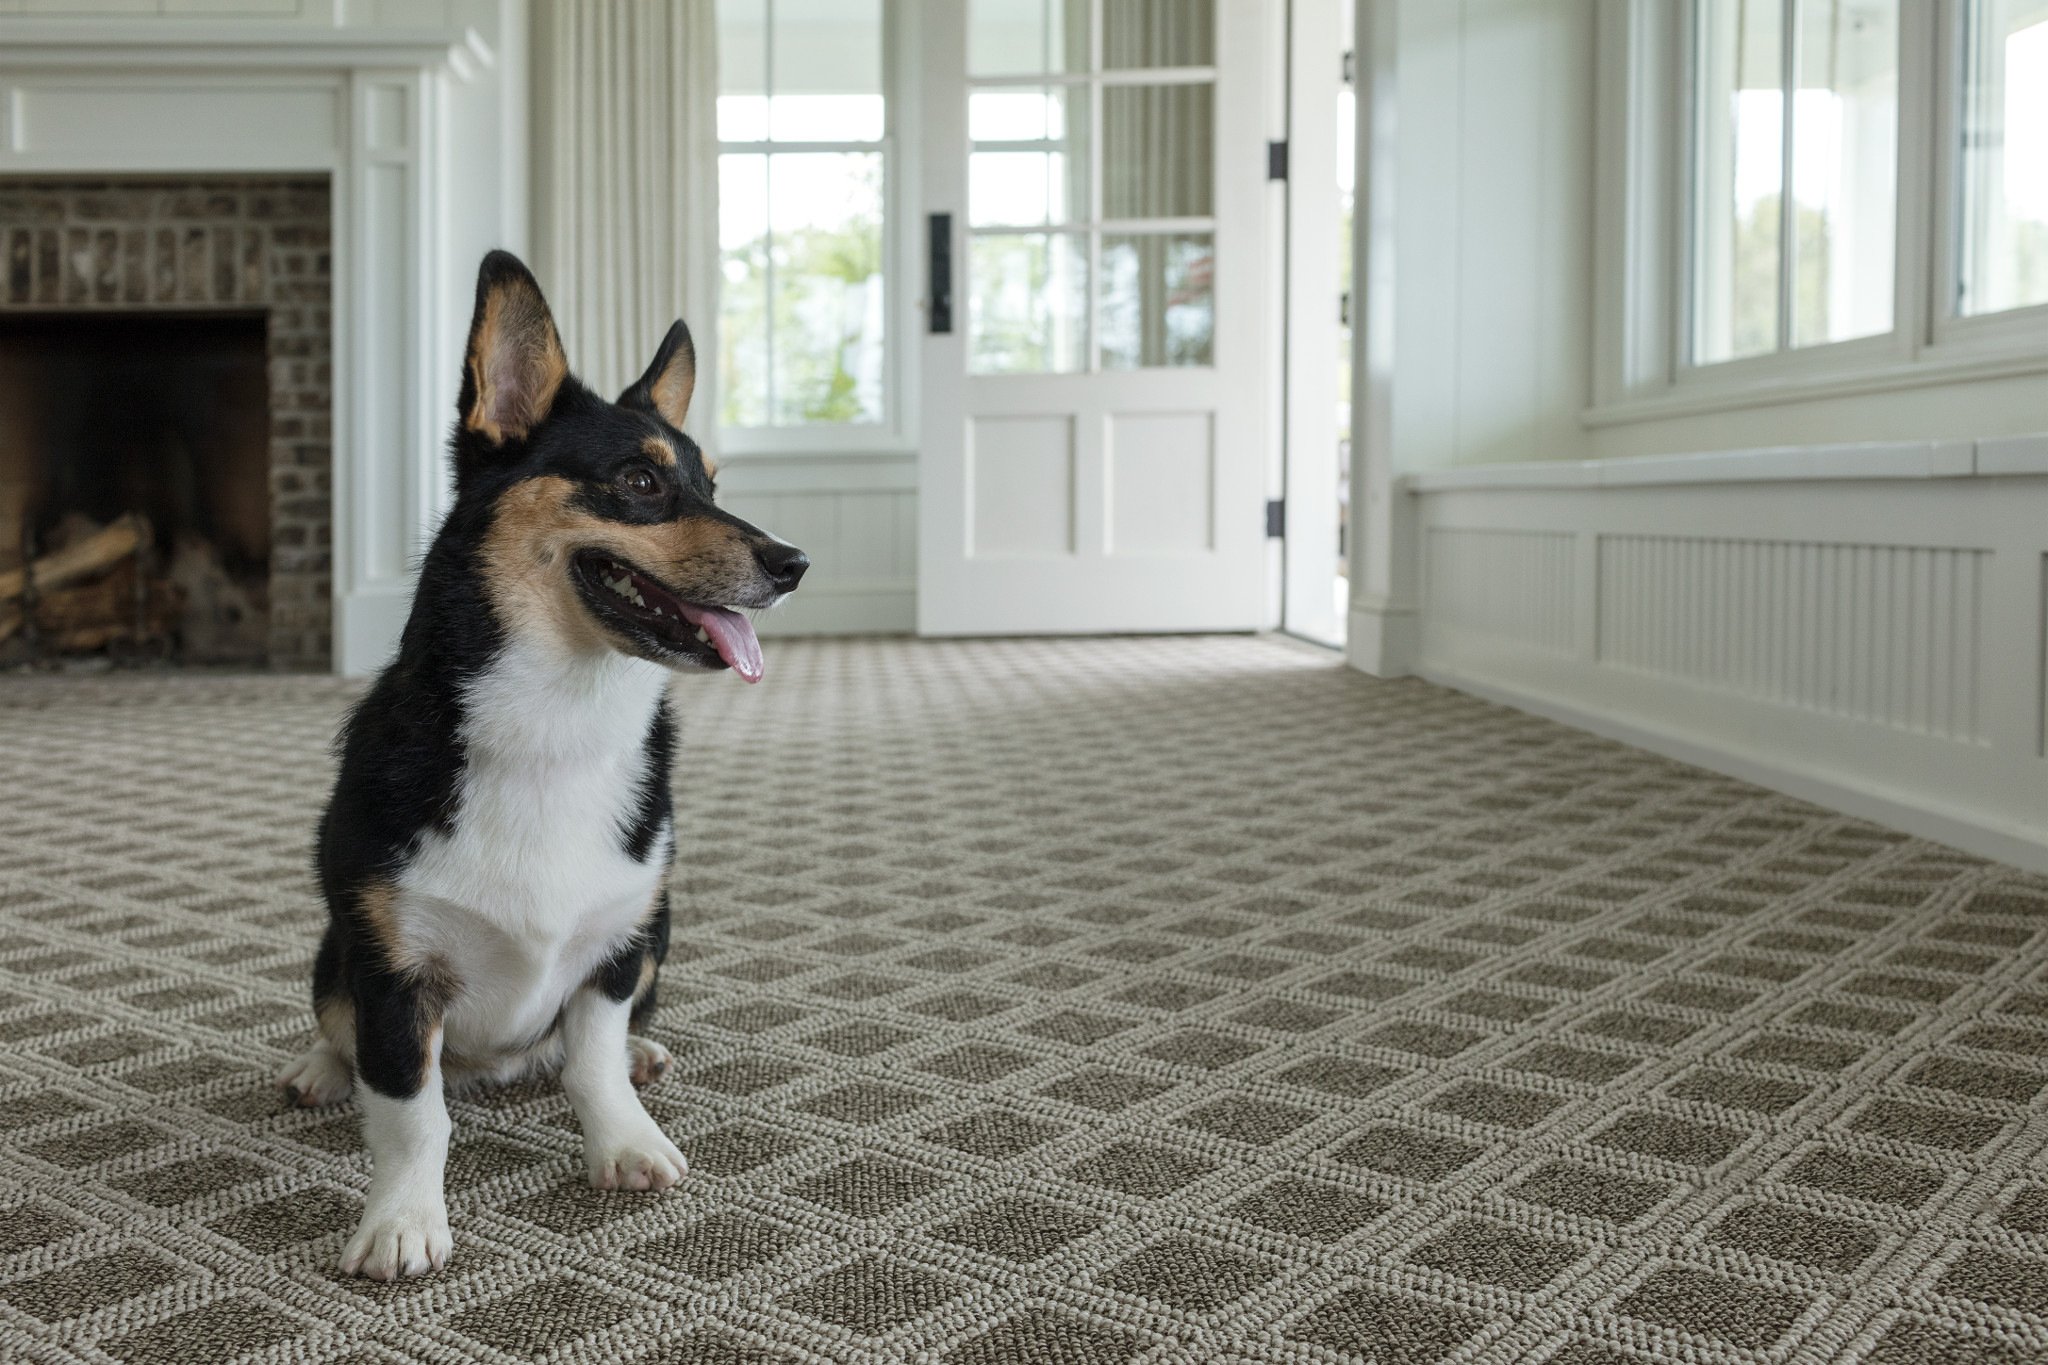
(1246, 342)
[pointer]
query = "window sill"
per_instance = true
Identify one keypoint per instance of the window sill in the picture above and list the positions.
(1688, 401)
(1963, 458)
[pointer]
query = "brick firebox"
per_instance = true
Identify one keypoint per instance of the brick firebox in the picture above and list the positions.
(199, 243)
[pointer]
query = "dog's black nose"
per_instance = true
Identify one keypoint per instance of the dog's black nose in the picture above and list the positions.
(784, 564)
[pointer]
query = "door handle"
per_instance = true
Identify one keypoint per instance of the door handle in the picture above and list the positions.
(939, 263)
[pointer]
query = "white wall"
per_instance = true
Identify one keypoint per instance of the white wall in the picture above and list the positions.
(1845, 597)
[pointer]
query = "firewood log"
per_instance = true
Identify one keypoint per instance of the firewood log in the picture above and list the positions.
(121, 538)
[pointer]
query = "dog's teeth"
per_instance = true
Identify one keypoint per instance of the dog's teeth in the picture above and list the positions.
(703, 636)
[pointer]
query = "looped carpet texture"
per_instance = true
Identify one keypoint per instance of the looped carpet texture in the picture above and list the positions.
(1060, 1003)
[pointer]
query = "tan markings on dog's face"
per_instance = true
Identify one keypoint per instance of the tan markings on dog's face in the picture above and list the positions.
(657, 450)
(710, 468)
(516, 362)
(536, 530)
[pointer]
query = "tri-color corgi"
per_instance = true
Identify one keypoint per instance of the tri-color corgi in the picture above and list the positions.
(495, 852)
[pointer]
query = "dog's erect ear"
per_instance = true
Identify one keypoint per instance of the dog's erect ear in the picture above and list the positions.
(666, 387)
(514, 366)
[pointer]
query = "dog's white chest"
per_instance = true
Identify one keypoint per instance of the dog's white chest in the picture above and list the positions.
(534, 887)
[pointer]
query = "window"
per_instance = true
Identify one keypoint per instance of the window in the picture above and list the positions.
(1798, 95)
(2004, 155)
(803, 174)
(1807, 196)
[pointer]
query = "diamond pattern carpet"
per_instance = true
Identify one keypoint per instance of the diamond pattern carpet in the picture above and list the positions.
(1068, 1003)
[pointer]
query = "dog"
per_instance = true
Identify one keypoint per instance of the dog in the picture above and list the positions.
(495, 852)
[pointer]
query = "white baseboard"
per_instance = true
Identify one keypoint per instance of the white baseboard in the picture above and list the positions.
(1913, 812)
(1875, 642)
(844, 610)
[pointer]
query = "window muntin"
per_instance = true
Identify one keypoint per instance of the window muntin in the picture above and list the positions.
(1805, 94)
(2002, 260)
(1091, 195)
(803, 168)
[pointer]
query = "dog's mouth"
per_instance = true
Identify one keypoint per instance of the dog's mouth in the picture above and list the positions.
(644, 610)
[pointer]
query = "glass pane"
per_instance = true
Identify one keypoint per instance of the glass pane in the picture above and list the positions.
(1026, 37)
(742, 70)
(1845, 157)
(1158, 151)
(743, 290)
(2005, 156)
(1027, 303)
(825, 215)
(1040, 114)
(1024, 189)
(1158, 33)
(825, 71)
(1739, 161)
(1158, 300)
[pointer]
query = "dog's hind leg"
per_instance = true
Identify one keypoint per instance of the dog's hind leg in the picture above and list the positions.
(646, 1060)
(318, 1077)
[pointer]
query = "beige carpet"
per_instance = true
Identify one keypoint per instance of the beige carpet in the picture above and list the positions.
(1062, 1003)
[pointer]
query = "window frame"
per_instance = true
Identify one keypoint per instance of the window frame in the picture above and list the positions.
(895, 434)
(1645, 182)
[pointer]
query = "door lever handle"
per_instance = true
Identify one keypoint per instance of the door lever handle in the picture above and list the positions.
(939, 264)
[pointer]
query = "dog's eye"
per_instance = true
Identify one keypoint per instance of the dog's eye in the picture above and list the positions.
(640, 479)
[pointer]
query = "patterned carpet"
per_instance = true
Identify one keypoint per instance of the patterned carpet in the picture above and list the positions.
(1061, 1003)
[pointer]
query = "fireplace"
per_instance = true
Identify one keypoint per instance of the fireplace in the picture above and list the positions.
(164, 452)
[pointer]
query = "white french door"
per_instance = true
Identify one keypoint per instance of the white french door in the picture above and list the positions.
(1094, 363)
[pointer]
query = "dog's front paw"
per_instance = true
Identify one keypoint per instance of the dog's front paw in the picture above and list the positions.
(398, 1243)
(642, 1159)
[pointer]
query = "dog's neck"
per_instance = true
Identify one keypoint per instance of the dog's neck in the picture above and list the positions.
(539, 701)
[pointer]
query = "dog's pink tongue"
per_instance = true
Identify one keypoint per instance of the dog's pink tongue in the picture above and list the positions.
(732, 635)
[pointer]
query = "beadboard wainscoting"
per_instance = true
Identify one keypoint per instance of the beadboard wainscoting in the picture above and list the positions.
(856, 516)
(1863, 626)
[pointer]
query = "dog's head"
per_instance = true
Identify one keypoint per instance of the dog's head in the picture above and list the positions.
(602, 527)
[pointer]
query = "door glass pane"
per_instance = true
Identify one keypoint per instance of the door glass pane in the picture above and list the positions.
(826, 71)
(1158, 33)
(1738, 155)
(826, 292)
(1038, 114)
(1027, 303)
(1845, 156)
(1026, 37)
(1158, 300)
(2004, 156)
(1024, 189)
(1158, 151)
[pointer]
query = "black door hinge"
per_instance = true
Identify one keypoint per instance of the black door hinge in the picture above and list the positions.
(1276, 518)
(1276, 160)
(1351, 68)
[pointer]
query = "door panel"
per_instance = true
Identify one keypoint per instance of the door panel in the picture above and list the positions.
(1091, 457)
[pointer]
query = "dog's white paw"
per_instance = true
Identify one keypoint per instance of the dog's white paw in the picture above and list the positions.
(647, 1060)
(398, 1243)
(642, 1159)
(317, 1077)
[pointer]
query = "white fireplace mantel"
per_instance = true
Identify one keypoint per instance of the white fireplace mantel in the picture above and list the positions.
(422, 131)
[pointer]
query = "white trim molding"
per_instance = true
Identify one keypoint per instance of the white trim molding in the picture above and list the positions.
(1862, 626)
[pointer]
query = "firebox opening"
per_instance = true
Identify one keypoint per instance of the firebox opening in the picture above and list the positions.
(160, 418)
